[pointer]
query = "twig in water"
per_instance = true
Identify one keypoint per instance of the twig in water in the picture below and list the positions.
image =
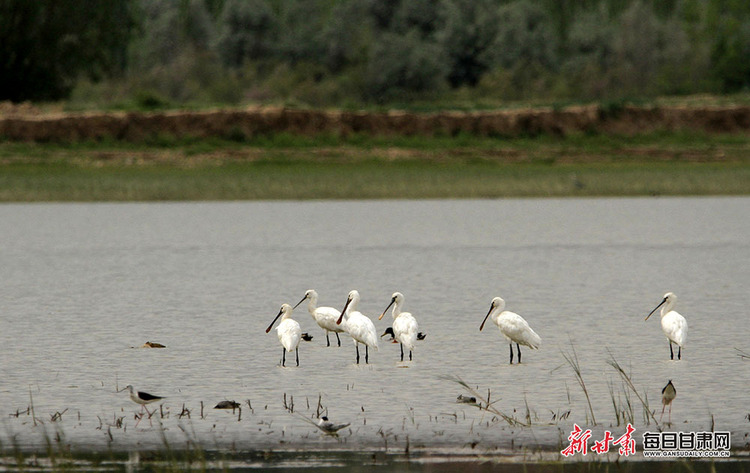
(742, 354)
(185, 412)
(57, 416)
(31, 405)
(289, 406)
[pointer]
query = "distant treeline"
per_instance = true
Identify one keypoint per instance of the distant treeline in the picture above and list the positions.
(156, 53)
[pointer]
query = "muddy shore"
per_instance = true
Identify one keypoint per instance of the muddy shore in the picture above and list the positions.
(25, 123)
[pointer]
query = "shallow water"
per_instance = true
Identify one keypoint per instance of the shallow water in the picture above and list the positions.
(83, 283)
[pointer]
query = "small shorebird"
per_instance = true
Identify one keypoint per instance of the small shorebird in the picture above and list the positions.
(513, 327)
(389, 331)
(325, 425)
(667, 396)
(227, 405)
(329, 427)
(405, 327)
(142, 398)
(461, 399)
(674, 325)
(306, 337)
(289, 332)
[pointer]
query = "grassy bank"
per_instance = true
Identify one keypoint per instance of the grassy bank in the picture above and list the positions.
(357, 167)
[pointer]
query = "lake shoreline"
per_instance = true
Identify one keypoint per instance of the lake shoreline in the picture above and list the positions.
(292, 167)
(26, 124)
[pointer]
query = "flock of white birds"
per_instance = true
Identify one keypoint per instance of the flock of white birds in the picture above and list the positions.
(404, 330)
(513, 327)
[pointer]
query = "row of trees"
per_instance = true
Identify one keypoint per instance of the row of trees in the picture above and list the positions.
(335, 52)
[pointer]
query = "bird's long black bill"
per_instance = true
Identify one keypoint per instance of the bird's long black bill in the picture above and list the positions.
(274, 321)
(485, 318)
(386, 309)
(341, 317)
(660, 304)
(300, 302)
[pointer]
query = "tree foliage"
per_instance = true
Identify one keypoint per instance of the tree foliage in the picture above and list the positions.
(333, 51)
(45, 45)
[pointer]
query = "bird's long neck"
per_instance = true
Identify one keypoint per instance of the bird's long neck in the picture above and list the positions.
(496, 313)
(667, 308)
(396, 310)
(312, 304)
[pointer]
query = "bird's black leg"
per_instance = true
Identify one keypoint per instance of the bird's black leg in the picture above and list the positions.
(671, 353)
(357, 346)
(296, 352)
(519, 352)
(402, 351)
(337, 338)
(328, 342)
(679, 357)
(283, 357)
(409, 355)
(511, 353)
(367, 355)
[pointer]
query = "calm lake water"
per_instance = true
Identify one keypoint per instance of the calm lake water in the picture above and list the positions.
(83, 283)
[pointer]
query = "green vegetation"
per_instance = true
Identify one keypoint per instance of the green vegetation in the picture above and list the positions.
(155, 54)
(358, 167)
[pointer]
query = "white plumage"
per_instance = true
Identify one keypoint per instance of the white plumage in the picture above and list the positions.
(358, 325)
(674, 325)
(289, 332)
(325, 317)
(513, 327)
(405, 326)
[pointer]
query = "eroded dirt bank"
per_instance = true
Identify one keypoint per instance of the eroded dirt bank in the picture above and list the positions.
(25, 123)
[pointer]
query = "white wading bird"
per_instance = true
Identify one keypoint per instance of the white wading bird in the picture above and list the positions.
(405, 327)
(142, 398)
(674, 326)
(325, 317)
(513, 327)
(667, 396)
(289, 332)
(359, 326)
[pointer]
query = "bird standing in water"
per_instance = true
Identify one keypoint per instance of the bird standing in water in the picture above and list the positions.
(405, 327)
(325, 317)
(289, 332)
(513, 327)
(358, 325)
(674, 325)
(667, 396)
(142, 398)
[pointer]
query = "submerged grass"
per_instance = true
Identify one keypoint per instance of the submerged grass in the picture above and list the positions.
(371, 167)
(572, 360)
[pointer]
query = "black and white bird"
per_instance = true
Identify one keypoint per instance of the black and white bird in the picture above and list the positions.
(389, 331)
(667, 396)
(142, 398)
(328, 427)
